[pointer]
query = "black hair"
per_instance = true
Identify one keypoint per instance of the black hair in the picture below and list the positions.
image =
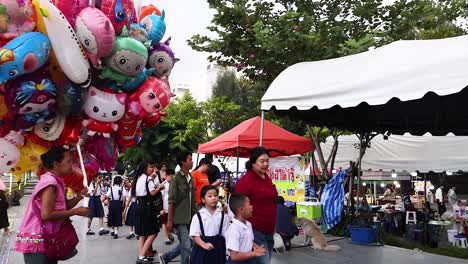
(54, 154)
(117, 180)
(411, 191)
(140, 170)
(254, 154)
(207, 188)
(182, 156)
(236, 201)
(280, 200)
(203, 161)
(209, 156)
(120, 171)
(170, 171)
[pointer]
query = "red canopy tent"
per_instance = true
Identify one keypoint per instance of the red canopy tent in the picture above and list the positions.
(238, 141)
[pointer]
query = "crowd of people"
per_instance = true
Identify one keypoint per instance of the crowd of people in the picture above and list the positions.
(185, 202)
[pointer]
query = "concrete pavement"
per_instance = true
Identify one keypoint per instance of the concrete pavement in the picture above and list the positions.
(104, 249)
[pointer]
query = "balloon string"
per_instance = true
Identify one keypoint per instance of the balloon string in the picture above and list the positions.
(85, 177)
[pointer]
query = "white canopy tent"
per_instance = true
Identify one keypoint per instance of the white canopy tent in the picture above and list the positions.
(404, 153)
(412, 86)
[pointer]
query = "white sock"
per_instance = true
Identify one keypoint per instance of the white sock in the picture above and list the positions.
(141, 257)
(115, 230)
(101, 228)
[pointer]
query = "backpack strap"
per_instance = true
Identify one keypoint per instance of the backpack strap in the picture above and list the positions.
(221, 225)
(201, 223)
(147, 188)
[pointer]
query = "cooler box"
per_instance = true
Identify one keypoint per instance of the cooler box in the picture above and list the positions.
(310, 209)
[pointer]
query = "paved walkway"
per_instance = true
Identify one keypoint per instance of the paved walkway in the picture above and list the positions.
(103, 249)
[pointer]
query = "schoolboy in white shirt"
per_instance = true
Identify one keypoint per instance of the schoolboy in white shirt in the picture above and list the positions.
(239, 236)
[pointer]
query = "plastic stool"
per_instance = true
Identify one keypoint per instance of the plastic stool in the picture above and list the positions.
(413, 217)
(460, 241)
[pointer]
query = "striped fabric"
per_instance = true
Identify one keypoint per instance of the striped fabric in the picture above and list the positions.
(332, 200)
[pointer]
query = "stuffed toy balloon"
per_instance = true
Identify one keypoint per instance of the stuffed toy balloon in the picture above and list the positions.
(16, 18)
(151, 97)
(128, 60)
(156, 27)
(31, 100)
(148, 10)
(71, 8)
(24, 54)
(103, 109)
(9, 153)
(96, 34)
(119, 12)
(105, 151)
(58, 131)
(162, 59)
(67, 48)
(30, 155)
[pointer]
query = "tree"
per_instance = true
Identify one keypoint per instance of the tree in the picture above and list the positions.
(262, 38)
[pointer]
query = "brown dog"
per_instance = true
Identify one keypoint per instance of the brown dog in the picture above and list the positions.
(314, 234)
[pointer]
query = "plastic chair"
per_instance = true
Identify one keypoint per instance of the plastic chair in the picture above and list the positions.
(412, 219)
(460, 241)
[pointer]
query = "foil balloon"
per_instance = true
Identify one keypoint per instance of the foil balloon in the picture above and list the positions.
(96, 34)
(149, 10)
(67, 48)
(151, 97)
(9, 153)
(24, 54)
(138, 32)
(105, 151)
(103, 110)
(30, 158)
(119, 12)
(156, 27)
(31, 100)
(16, 18)
(56, 132)
(71, 8)
(127, 61)
(162, 59)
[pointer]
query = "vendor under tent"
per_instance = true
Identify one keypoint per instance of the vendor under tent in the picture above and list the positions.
(238, 141)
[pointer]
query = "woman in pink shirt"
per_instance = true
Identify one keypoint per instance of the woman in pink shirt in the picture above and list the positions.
(48, 208)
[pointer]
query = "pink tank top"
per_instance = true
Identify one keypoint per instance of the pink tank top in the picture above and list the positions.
(29, 239)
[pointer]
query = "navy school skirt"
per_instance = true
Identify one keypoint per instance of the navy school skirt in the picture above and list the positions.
(130, 220)
(146, 219)
(95, 207)
(115, 213)
(214, 256)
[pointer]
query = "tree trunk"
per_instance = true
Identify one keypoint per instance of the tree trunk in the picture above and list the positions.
(316, 142)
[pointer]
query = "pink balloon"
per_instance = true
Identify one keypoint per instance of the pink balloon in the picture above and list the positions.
(71, 8)
(16, 17)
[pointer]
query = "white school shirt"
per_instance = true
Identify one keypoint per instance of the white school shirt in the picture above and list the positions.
(438, 195)
(165, 194)
(211, 223)
(128, 195)
(115, 193)
(99, 189)
(141, 185)
(239, 236)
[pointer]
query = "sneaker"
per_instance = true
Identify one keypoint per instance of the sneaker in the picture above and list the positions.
(144, 260)
(112, 233)
(168, 242)
(171, 237)
(130, 236)
(115, 236)
(90, 233)
(104, 232)
(161, 259)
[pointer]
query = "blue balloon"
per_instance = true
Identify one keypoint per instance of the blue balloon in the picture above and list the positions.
(155, 26)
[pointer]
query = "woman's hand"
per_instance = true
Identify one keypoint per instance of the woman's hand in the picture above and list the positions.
(81, 211)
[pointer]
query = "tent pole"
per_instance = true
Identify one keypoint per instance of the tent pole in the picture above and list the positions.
(261, 128)
(198, 156)
(237, 169)
(359, 167)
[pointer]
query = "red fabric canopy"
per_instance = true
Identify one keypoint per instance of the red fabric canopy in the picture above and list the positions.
(246, 136)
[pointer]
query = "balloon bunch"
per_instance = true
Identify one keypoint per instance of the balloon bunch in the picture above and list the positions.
(79, 71)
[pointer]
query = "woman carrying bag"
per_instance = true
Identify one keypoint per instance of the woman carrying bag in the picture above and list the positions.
(46, 234)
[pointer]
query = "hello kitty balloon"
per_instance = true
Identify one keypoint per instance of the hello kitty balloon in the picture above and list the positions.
(9, 152)
(103, 109)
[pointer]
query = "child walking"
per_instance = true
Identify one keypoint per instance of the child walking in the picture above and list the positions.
(115, 206)
(130, 210)
(96, 210)
(239, 236)
(208, 230)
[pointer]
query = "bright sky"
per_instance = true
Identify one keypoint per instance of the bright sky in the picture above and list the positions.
(185, 18)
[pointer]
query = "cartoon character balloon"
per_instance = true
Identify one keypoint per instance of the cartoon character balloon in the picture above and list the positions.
(96, 34)
(24, 54)
(30, 158)
(58, 131)
(156, 27)
(138, 32)
(71, 8)
(148, 10)
(128, 60)
(16, 18)
(103, 109)
(104, 149)
(119, 12)
(162, 59)
(31, 100)
(9, 153)
(151, 97)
